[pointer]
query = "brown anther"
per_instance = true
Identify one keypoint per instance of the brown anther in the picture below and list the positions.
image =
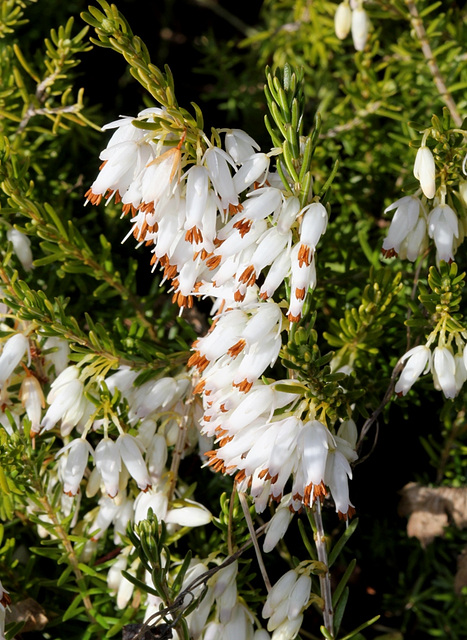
(243, 386)
(239, 296)
(213, 262)
(248, 277)
(243, 226)
(236, 348)
(293, 318)
(305, 255)
(235, 208)
(300, 294)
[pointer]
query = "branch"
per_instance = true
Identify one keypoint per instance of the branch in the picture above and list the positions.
(419, 29)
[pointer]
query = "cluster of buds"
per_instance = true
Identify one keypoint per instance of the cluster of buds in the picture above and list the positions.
(351, 17)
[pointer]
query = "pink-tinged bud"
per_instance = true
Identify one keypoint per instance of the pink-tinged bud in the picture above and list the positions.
(33, 400)
(343, 20)
(360, 28)
(425, 170)
(12, 354)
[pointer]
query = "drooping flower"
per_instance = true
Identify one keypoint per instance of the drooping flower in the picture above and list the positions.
(443, 227)
(444, 371)
(409, 210)
(12, 354)
(418, 361)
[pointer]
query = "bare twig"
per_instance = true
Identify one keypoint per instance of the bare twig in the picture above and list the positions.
(419, 29)
(251, 529)
(324, 580)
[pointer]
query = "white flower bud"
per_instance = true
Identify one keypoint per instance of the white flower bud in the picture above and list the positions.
(343, 20)
(360, 27)
(21, 247)
(424, 170)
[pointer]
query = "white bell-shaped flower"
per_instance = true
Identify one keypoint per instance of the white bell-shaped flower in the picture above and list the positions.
(12, 354)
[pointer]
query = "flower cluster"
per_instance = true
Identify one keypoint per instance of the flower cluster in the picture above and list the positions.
(214, 225)
(225, 227)
(449, 369)
(414, 223)
(352, 17)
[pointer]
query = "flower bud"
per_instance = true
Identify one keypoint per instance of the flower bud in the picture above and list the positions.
(343, 20)
(424, 170)
(21, 247)
(360, 27)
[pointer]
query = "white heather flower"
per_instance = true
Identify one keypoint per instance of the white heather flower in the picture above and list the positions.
(160, 178)
(336, 477)
(342, 20)
(313, 225)
(114, 573)
(253, 169)
(66, 401)
(217, 163)
(303, 277)
(425, 170)
(313, 444)
(418, 361)
(443, 227)
(239, 145)
(126, 588)
(56, 352)
(285, 604)
(360, 27)
(32, 399)
(151, 499)
(130, 452)
(108, 463)
(21, 247)
(461, 371)
(12, 354)
(405, 219)
(444, 371)
(76, 463)
(156, 455)
(278, 524)
(197, 192)
(192, 514)
(416, 241)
